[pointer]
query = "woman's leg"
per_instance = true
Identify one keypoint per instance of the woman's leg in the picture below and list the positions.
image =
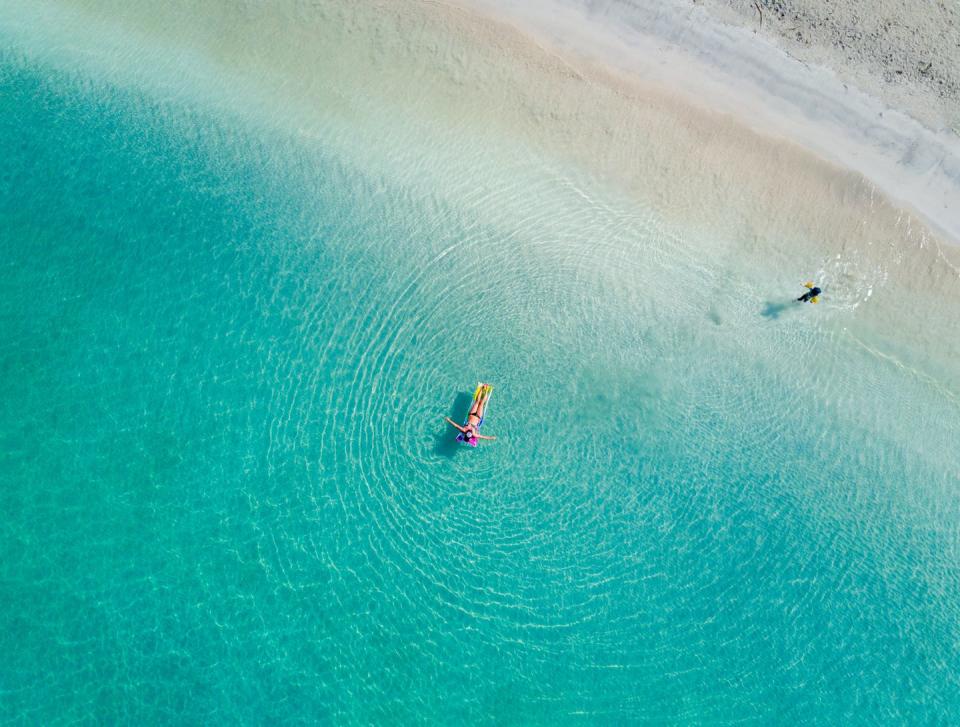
(478, 405)
(475, 410)
(482, 402)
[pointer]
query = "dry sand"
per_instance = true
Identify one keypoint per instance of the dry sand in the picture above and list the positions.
(907, 52)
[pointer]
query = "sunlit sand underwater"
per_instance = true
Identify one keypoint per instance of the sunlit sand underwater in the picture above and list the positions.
(242, 290)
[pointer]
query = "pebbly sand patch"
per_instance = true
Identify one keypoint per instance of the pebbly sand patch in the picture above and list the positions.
(905, 52)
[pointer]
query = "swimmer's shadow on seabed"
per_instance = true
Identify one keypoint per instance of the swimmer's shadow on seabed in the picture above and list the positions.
(773, 310)
(446, 444)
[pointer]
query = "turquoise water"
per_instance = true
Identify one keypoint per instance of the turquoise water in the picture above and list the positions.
(230, 497)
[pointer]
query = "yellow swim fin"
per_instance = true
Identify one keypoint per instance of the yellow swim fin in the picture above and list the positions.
(808, 284)
(815, 299)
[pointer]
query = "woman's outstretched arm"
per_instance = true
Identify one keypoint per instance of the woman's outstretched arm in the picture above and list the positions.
(453, 423)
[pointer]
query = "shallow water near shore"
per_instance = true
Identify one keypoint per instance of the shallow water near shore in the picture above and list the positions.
(229, 345)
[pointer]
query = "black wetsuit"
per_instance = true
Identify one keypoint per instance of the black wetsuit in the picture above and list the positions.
(809, 295)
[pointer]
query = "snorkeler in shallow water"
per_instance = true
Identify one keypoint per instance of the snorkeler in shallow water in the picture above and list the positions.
(812, 295)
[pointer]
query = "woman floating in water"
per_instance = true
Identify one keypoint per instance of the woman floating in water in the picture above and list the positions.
(811, 295)
(470, 432)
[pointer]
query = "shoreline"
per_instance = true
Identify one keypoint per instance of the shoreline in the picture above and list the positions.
(688, 53)
(556, 62)
(447, 89)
